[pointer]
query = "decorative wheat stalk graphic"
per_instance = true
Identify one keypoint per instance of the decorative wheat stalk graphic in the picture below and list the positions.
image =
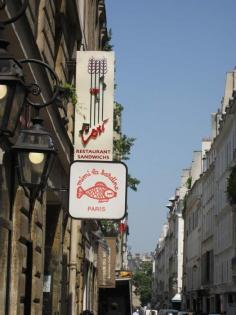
(97, 68)
(103, 68)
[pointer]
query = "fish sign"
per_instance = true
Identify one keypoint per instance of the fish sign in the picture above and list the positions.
(98, 190)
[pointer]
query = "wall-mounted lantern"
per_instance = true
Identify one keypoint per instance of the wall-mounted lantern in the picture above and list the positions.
(34, 149)
(35, 153)
(12, 95)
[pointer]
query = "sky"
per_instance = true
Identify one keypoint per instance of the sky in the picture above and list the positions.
(171, 62)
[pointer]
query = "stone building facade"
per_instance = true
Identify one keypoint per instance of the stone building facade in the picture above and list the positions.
(168, 258)
(210, 282)
(45, 257)
(209, 264)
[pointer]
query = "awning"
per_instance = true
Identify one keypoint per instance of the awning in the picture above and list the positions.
(176, 298)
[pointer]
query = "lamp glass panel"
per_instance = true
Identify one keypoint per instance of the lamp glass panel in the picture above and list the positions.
(3, 100)
(17, 105)
(3, 91)
(35, 155)
(31, 167)
(38, 140)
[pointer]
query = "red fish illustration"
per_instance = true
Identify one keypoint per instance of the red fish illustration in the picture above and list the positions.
(99, 191)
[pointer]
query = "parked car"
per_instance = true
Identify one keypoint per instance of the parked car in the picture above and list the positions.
(151, 312)
(168, 312)
(184, 313)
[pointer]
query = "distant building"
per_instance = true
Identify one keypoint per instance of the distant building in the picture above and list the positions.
(136, 259)
(168, 258)
(207, 282)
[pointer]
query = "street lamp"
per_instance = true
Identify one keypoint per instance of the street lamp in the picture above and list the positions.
(12, 95)
(12, 86)
(35, 154)
(34, 150)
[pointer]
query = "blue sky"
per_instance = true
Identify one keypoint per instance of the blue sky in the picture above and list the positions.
(171, 61)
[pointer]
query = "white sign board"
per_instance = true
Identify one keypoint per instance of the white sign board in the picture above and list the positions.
(97, 190)
(93, 138)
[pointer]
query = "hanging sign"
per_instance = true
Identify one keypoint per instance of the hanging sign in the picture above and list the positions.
(94, 110)
(97, 190)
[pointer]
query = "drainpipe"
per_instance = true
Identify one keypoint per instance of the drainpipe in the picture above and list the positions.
(73, 267)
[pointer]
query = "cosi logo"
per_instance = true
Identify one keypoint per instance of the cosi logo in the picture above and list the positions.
(87, 135)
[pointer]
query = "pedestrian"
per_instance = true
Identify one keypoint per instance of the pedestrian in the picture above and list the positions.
(136, 312)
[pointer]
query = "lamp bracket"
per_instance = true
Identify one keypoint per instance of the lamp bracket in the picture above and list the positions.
(61, 189)
(2, 4)
(17, 16)
(35, 89)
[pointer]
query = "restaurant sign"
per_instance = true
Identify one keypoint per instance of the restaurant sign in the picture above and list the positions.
(98, 190)
(94, 109)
